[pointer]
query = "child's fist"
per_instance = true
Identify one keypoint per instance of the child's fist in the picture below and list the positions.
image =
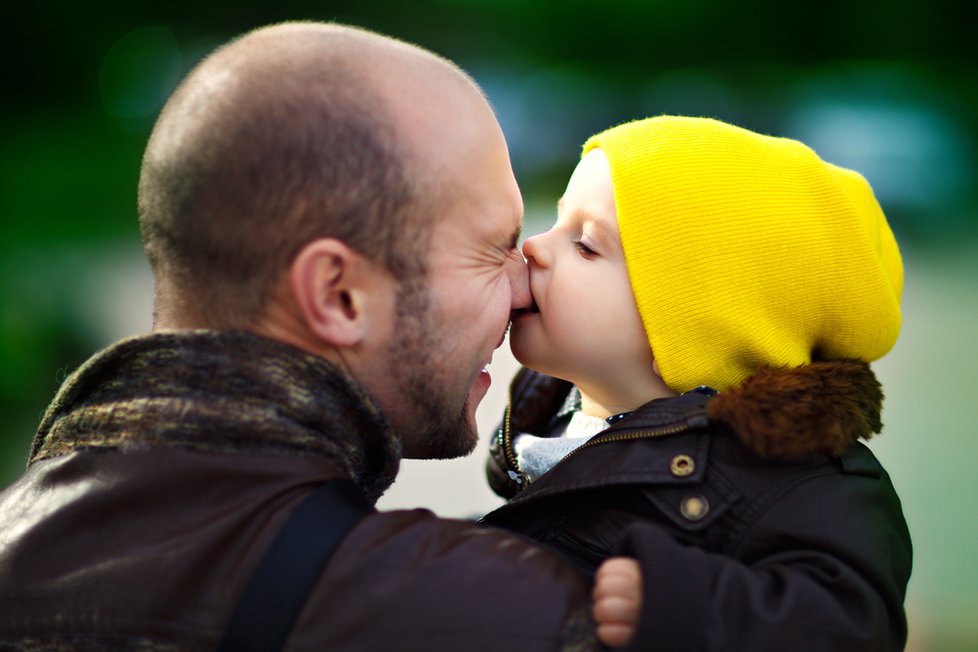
(617, 600)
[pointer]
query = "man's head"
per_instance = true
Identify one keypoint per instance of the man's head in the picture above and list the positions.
(304, 182)
(275, 140)
(746, 250)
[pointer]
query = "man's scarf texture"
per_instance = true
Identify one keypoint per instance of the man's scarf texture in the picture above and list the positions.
(220, 392)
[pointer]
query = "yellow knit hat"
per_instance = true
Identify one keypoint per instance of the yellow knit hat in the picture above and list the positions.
(745, 250)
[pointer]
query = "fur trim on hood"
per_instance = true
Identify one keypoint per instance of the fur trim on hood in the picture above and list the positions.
(822, 407)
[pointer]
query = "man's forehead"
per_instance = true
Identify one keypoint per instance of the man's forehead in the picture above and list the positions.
(497, 223)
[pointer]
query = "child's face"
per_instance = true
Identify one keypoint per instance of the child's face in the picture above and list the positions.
(587, 328)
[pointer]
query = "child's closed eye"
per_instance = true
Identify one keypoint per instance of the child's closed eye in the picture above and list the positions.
(585, 250)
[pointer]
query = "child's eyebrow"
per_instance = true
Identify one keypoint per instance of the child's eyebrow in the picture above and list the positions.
(586, 217)
(599, 226)
(589, 218)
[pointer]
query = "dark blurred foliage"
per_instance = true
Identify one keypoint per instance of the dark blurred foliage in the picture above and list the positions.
(84, 81)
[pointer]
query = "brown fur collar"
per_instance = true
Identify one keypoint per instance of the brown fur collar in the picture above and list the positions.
(822, 407)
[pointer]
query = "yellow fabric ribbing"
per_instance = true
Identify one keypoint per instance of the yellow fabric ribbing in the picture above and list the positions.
(746, 250)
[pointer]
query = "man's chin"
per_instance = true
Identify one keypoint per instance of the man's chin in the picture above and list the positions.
(443, 441)
(448, 448)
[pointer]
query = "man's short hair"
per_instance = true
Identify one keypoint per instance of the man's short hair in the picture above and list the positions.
(234, 183)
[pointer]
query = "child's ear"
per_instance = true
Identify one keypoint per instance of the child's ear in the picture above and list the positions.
(655, 368)
(328, 284)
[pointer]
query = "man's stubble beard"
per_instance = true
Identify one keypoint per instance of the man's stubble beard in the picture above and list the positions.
(441, 427)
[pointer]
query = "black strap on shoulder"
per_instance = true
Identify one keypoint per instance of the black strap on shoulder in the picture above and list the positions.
(278, 589)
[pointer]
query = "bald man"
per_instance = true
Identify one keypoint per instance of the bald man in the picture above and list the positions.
(331, 218)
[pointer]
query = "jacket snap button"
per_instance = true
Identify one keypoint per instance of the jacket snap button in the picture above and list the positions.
(694, 508)
(682, 465)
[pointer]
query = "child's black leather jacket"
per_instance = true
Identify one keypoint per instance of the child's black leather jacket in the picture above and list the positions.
(767, 526)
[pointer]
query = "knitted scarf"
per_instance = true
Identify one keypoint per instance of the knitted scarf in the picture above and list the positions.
(220, 392)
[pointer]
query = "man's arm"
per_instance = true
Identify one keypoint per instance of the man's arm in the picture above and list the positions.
(410, 580)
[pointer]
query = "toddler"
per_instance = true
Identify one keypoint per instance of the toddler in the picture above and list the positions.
(706, 306)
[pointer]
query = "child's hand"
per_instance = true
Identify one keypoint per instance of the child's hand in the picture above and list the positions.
(617, 600)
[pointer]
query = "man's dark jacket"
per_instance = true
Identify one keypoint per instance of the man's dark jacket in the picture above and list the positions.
(764, 524)
(168, 463)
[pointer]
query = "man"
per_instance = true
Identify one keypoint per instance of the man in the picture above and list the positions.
(331, 218)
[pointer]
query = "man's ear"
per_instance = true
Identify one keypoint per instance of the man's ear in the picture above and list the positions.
(329, 280)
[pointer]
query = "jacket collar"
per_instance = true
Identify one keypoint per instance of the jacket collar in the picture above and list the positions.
(220, 392)
(821, 407)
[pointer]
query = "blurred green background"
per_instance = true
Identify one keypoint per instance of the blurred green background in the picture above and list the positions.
(889, 88)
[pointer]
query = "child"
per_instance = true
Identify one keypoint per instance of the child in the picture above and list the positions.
(705, 308)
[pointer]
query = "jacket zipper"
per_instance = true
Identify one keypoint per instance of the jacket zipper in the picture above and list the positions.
(627, 435)
(507, 443)
(690, 422)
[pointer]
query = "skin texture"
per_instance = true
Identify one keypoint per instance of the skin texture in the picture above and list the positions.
(617, 600)
(586, 327)
(446, 333)
(476, 275)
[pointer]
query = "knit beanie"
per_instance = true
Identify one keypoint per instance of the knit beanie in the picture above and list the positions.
(746, 251)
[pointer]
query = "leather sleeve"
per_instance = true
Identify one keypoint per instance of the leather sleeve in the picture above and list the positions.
(406, 580)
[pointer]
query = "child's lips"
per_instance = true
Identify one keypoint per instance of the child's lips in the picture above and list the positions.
(531, 309)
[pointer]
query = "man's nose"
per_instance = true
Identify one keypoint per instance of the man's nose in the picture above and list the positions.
(519, 282)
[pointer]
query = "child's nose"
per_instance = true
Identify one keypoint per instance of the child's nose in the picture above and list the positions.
(533, 250)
